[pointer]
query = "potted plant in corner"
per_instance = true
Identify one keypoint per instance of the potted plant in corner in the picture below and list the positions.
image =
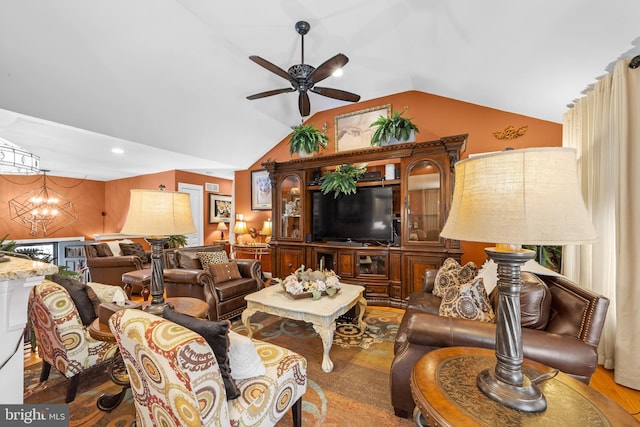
(394, 129)
(177, 241)
(306, 140)
(342, 180)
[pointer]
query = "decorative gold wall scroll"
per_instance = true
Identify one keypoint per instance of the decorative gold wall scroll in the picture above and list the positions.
(511, 132)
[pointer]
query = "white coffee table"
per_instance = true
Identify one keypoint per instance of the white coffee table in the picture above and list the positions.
(321, 313)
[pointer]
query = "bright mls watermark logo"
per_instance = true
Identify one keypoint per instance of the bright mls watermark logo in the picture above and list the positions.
(34, 415)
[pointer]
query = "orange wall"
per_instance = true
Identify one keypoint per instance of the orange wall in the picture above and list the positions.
(117, 195)
(436, 117)
(86, 195)
(101, 206)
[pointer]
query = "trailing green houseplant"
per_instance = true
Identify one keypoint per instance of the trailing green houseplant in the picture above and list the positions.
(390, 128)
(307, 139)
(343, 180)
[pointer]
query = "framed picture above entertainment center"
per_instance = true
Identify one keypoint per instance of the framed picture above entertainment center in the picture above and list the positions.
(352, 129)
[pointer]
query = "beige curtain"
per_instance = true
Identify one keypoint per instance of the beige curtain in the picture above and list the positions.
(604, 127)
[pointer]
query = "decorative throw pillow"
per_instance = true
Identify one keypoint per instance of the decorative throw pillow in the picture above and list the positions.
(224, 272)
(134, 249)
(535, 301)
(103, 250)
(243, 358)
(216, 335)
(467, 301)
(79, 293)
(452, 274)
(217, 257)
(93, 297)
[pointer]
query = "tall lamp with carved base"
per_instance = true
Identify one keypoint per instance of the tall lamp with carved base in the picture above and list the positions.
(157, 215)
(516, 197)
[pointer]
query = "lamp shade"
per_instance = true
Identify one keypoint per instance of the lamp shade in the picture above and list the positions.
(266, 228)
(240, 227)
(158, 213)
(529, 197)
(222, 226)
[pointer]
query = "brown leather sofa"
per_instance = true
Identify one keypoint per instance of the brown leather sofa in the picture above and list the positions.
(108, 269)
(568, 342)
(184, 276)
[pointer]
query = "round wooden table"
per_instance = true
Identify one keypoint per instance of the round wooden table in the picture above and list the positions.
(186, 305)
(443, 385)
(117, 370)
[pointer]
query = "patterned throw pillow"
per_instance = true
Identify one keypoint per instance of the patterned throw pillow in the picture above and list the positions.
(224, 271)
(217, 257)
(452, 274)
(135, 249)
(467, 301)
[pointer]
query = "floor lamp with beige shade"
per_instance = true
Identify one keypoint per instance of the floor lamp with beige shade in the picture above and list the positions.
(516, 197)
(158, 214)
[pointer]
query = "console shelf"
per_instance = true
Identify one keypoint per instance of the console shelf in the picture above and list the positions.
(421, 202)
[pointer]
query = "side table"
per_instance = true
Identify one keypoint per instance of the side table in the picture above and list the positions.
(443, 385)
(117, 370)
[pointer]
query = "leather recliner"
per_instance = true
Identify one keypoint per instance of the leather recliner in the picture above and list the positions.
(185, 277)
(568, 342)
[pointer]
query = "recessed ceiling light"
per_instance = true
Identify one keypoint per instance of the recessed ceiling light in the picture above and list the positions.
(117, 151)
(337, 73)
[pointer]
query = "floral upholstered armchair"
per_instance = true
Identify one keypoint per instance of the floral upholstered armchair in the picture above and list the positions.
(176, 379)
(62, 335)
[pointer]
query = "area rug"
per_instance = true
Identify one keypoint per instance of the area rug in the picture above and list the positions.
(355, 393)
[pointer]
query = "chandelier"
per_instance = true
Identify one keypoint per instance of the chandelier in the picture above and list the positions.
(16, 160)
(42, 210)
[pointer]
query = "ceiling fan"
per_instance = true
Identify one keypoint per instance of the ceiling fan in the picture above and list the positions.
(303, 77)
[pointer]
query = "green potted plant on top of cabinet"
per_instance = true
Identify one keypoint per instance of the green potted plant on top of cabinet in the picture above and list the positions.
(343, 180)
(394, 129)
(307, 139)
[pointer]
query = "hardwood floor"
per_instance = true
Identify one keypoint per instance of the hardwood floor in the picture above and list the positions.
(626, 397)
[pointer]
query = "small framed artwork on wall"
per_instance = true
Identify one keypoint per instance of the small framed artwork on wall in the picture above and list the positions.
(219, 208)
(260, 191)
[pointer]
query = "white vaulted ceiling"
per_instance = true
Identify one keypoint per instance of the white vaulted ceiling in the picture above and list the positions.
(167, 80)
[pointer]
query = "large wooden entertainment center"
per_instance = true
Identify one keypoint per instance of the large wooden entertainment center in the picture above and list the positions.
(422, 189)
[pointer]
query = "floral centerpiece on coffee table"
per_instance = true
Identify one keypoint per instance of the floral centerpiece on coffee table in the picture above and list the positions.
(304, 283)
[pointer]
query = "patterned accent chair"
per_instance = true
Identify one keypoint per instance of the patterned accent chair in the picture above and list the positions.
(175, 379)
(63, 341)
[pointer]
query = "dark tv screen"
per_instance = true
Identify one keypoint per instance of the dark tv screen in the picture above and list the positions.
(365, 215)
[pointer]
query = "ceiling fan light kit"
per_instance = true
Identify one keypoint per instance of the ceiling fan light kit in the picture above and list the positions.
(303, 77)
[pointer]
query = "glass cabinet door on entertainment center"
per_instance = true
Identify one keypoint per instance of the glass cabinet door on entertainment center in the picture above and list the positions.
(423, 203)
(291, 208)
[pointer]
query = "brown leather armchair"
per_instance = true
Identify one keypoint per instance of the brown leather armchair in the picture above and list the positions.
(109, 269)
(184, 276)
(568, 342)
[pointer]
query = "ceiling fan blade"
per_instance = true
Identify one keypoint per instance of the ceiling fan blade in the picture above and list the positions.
(336, 93)
(328, 67)
(271, 67)
(270, 93)
(303, 104)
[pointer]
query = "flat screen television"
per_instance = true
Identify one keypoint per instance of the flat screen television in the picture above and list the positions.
(366, 215)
